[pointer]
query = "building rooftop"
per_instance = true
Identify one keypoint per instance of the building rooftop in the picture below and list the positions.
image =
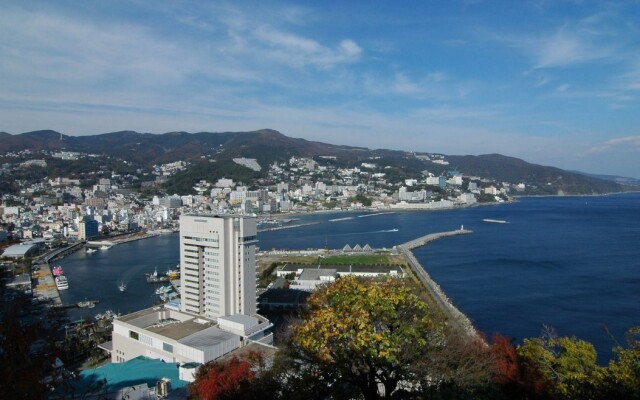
(166, 322)
(314, 274)
(21, 249)
(245, 320)
(342, 269)
(206, 338)
(178, 330)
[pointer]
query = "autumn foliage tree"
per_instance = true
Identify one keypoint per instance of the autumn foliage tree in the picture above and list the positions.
(363, 333)
(223, 380)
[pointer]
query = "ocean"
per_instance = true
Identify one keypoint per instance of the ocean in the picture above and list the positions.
(570, 263)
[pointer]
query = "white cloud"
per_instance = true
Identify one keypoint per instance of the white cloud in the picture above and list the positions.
(290, 49)
(403, 85)
(350, 48)
(622, 143)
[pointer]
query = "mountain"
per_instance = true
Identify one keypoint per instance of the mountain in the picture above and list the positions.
(268, 146)
(547, 180)
(622, 180)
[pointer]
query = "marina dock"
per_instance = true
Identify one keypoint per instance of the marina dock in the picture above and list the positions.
(46, 287)
(453, 314)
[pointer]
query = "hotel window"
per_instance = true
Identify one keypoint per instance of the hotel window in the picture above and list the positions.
(167, 347)
(134, 335)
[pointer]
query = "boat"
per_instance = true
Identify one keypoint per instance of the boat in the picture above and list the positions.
(173, 274)
(107, 315)
(122, 287)
(104, 247)
(155, 278)
(90, 250)
(495, 221)
(57, 271)
(164, 289)
(87, 304)
(61, 282)
(169, 296)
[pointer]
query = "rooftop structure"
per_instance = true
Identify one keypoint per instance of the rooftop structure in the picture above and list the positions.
(308, 277)
(217, 255)
(175, 336)
(24, 249)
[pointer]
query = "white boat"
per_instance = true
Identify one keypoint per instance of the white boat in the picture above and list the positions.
(122, 287)
(104, 247)
(164, 289)
(107, 315)
(90, 250)
(495, 221)
(61, 282)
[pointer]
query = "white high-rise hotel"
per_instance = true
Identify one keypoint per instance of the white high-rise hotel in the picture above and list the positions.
(216, 314)
(217, 255)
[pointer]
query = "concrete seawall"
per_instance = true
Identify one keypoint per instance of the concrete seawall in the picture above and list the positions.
(454, 315)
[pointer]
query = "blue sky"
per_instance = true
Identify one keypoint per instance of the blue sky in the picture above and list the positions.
(552, 82)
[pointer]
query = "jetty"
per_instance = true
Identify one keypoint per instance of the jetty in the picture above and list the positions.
(279, 228)
(454, 315)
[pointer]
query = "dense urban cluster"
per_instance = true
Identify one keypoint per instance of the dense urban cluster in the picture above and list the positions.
(43, 202)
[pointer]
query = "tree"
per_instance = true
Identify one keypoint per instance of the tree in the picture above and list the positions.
(566, 364)
(223, 380)
(621, 378)
(512, 376)
(365, 333)
(361, 198)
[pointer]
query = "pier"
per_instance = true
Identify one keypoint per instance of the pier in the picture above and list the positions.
(454, 315)
(279, 228)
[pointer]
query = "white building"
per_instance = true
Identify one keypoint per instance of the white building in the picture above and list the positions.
(217, 255)
(173, 336)
(217, 313)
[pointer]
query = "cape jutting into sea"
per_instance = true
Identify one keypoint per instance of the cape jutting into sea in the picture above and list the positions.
(572, 263)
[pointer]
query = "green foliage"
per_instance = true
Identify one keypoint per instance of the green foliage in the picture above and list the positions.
(360, 198)
(621, 378)
(266, 277)
(356, 259)
(365, 333)
(182, 183)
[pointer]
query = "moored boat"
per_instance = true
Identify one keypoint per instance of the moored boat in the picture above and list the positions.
(87, 304)
(57, 271)
(164, 289)
(61, 282)
(155, 278)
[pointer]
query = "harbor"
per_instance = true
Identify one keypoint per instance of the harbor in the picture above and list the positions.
(485, 274)
(454, 315)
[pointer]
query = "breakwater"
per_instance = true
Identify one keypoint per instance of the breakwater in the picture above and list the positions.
(454, 315)
(122, 239)
(279, 228)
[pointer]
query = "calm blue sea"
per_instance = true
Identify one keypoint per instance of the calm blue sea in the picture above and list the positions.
(572, 263)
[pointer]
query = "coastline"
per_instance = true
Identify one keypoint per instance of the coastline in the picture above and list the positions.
(454, 315)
